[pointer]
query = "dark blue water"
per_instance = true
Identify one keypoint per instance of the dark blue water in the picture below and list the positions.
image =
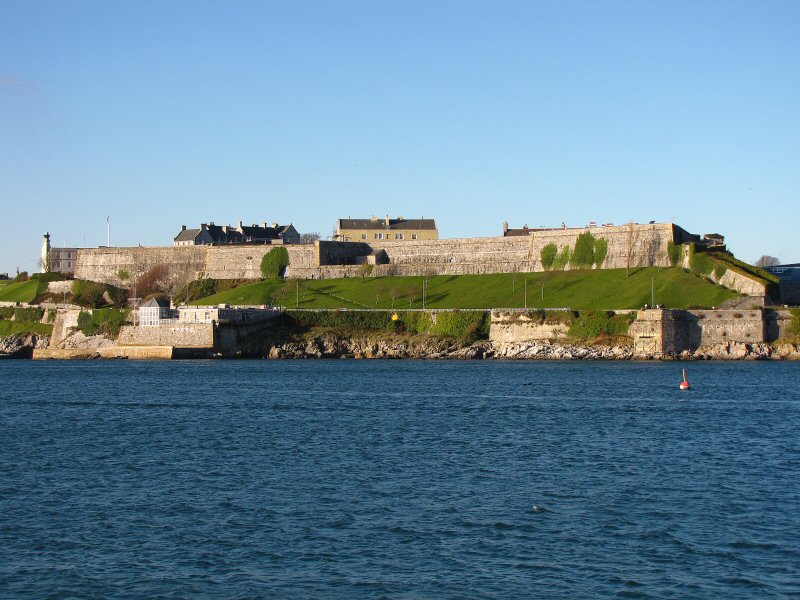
(368, 479)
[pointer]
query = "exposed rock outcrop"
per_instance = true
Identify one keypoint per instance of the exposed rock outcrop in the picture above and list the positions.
(21, 345)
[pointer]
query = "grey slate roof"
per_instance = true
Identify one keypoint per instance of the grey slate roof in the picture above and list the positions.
(261, 233)
(156, 302)
(187, 235)
(378, 224)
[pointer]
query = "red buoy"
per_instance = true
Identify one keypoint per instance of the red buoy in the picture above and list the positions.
(685, 385)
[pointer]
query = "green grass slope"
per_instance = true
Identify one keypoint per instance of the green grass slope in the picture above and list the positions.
(22, 291)
(578, 290)
(12, 327)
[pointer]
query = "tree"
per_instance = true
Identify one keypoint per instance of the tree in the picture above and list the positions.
(274, 263)
(767, 261)
(549, 253)
(600, 251)
(153, 280)
(583, 255)
(309, 238)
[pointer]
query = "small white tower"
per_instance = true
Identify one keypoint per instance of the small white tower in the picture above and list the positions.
(46, 253)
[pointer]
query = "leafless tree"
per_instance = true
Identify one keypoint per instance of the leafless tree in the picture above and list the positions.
(767, 261)
(309, 238)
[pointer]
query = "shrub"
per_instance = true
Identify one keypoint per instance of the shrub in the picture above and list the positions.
(593, 324)
(583, 255)
(674, 253)
(600, 251)
(23, 276)
(793, 329)
(356, 319)
(549, 253)
(28, 315)
(720, 270)
(87, 293)
(467, 326)
(395, 327)
(151, 281)
(123, 275)
(417, 322)
(48, 277)
(274, 263)
(701, 264)
(106, 321)
(562, 260)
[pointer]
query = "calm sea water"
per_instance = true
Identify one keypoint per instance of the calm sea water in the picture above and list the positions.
(399, 479)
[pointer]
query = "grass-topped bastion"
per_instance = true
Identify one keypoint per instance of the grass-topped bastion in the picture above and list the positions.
(577, 290)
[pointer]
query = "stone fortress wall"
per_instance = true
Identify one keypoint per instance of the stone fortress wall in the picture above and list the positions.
(628, 245)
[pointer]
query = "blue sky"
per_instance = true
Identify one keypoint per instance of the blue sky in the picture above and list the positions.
(159, 114)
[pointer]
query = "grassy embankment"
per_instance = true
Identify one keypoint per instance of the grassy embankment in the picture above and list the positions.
(25, 320)
(21, 291)
(577, 290)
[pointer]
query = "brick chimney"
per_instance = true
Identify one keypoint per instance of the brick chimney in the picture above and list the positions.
(203, 226)
(183, 227)
(387, 221)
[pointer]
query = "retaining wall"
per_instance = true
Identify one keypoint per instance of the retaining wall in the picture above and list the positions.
(512, 327)
(194, 335)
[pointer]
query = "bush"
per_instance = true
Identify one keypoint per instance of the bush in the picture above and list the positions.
(600, 251)
(720, 270)
(87, 293)
(356, 319)
(466, 326)
(549, 253)
(23, 276)
(593, 324)
(274, 263)
(702, 264)
(562, 260)
(123, 275)
(583, 255)
(793, 330)
(417, 322)
(48, 277)
(106, 321)
(152, 280)
(674, 252)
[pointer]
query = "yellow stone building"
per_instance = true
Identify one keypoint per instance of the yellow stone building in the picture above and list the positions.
(376, 229)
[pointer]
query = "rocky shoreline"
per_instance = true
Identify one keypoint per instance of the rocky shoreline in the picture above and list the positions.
(20, 345)
(330, 345)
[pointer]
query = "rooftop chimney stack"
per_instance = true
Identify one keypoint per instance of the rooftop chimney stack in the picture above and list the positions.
(387, 221)
(183, 227)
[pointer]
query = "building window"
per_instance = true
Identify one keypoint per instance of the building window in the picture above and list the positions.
(378, 236)
(363, 236)
(413, 236)
(398, 236)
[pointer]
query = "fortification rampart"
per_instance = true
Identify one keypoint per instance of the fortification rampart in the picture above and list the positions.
(659, 331)
(627, 246)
